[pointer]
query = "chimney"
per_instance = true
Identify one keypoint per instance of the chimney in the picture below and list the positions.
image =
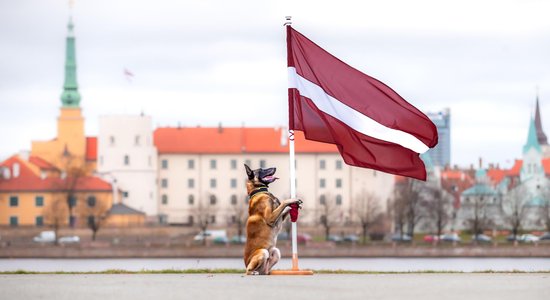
(480, 163)
(220, 128)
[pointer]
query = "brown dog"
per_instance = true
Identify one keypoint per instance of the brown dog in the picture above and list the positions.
(265, 219)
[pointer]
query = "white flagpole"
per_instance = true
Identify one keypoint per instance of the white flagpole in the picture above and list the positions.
(292, 182)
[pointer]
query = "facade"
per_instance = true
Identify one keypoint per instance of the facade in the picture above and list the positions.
(30, 186)
(128, 158)
(441, 154)
(205, 166)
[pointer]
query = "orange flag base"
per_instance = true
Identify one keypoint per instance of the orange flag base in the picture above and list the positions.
(293, 271)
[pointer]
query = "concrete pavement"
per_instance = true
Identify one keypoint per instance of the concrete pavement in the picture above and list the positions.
(233, 286)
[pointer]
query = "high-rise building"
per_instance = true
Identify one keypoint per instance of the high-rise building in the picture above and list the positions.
(441, 154)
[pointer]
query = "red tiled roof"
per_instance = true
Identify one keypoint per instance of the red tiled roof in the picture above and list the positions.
(546, 165)
(516, 168)
(28, 181)
(91, 148)
(232, 140)
(496, 175)
(40, 163)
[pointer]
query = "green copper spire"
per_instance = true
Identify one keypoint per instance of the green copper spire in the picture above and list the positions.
(70, 96)
(532, 141)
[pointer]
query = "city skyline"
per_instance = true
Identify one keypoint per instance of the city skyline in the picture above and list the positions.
(191, 69)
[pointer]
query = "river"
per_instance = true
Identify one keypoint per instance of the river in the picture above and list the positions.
(353, 264)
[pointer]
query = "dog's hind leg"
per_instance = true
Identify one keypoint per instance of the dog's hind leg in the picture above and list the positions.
(257, 263)
(274, 257)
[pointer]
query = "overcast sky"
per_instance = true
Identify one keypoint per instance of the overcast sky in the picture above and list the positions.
(203, 62)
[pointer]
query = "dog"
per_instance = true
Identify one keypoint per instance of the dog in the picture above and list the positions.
(266, 215)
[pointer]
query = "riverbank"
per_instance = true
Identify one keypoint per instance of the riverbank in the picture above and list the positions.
(236, 251)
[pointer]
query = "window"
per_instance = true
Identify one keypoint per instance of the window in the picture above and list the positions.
(338, 165)
(213, 200)
(322, 164)
(136, 140)
(373, 173)
(213, 183)
(190, 220)
(14, 221)
(233, 219)
(323, 219)
(338, 200)
(164, 164)
(191, 164)
(248, 163)
(212, 219)
(39, 221)
(164, 182)
(191, 199)
(212, 164)
(190, 183)
(91, 201)
(233, 164)
(72, 201)
(39, 201)
(149, 160)
(14, 201)
(101, 160)
(164, 199)
(338, 183)
(112, 140)
(246, 200)
(233, 182)
(125, 194)
(322, 183)
(233, 199)
(126, 160)
(262, 163)
(322, 199)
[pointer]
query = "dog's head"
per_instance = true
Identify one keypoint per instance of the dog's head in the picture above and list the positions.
(260, 177)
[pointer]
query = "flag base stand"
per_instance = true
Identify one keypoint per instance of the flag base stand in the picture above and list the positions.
(294, 271)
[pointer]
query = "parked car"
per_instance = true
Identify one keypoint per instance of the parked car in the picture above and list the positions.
(351, 238)
(303, 238)
(430, 238)
(69, 239)
(451, 237)
(238, 239)
(481, 238)
(545, 237)
(335, 238)
(45, 237)
(210, 235)
(529, 238)
(220, 240)
(512, 238)
(283, 236)
(401, 238)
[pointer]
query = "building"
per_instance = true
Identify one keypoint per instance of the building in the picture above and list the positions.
(128, 158)
(30, 188)
(441, 154)
(203, 167)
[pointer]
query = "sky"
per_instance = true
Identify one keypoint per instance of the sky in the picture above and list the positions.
(204, 62)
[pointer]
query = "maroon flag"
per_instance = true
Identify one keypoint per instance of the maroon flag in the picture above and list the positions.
(372, 126)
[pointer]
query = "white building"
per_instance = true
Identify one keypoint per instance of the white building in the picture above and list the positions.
(206, 165)
(127, 156)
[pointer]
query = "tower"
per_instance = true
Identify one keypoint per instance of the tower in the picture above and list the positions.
(541, 137)
(532, 155)
(441, 154)
(70, 141)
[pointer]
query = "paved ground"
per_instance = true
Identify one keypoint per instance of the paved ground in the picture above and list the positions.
(232, 286)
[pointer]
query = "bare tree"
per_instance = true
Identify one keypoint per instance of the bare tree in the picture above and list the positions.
(368, 211)
(239, 209)
(479, 218)
(55, 214)
(398, 209)
(515, 208)
(330, 212)
(72, 173)
(95, 213)
(439, 208)
(409, 203)
(205, 213)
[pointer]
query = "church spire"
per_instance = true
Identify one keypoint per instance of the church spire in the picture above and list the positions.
(70, 96)
(541, 137)
(532, 141)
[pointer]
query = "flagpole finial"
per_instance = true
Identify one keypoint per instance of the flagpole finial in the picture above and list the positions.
(288, 21)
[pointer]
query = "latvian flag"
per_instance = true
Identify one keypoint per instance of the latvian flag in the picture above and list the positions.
(372, 126)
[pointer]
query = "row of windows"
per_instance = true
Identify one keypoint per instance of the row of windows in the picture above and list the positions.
(213, 200)
(137, 141)
(126, 160)
(191, 183)
(323, 200)
(39, 201)
(322, 183)
(38, 221)
(233, 164)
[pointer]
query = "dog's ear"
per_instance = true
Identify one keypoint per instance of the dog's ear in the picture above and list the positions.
(249, 172)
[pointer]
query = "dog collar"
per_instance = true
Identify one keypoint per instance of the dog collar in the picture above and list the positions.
(255, 191)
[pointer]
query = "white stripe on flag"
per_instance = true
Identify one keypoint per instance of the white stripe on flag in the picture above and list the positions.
(354, 119)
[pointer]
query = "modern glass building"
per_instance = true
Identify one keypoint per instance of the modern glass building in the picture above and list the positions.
(441, 154)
